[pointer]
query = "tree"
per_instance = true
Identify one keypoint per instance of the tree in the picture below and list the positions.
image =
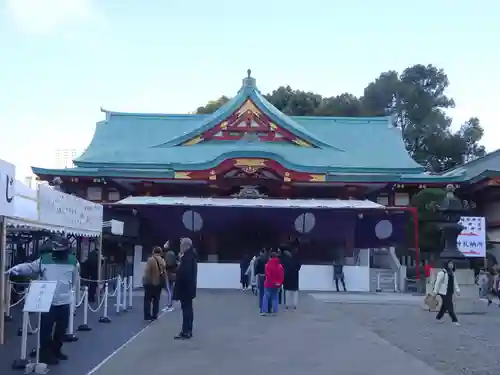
(212, 105)
(294, 102)
(415, 99)
(429, 235)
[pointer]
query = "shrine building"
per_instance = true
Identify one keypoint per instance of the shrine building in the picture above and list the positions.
(249, 149)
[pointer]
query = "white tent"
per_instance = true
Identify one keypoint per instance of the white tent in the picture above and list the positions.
(53, 210)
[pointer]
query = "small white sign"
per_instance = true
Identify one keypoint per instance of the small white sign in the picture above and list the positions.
(472, 241)
(40, 296)
(7, 186)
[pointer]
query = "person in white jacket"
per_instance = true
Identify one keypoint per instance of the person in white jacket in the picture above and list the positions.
(446, 286)
(250, 272)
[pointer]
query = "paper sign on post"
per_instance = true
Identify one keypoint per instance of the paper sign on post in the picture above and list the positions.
(40, 296)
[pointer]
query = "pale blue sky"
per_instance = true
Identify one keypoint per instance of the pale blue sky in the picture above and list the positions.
(63, 59)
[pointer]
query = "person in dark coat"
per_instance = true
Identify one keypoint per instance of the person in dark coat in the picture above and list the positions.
(244, 278)
(185, 286)
(292, 265)
(260, 267)
(338, 274)
(89, 270)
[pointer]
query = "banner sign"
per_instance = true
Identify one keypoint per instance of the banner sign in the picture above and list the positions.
(7, 188)
(68, 211)
(472, 240)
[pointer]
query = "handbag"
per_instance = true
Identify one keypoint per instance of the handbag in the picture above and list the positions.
(163, 279)
(432, 302)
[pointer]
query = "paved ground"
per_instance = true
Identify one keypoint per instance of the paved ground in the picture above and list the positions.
(473, 348)
(91, 348)
(329, 333)
(230, 337)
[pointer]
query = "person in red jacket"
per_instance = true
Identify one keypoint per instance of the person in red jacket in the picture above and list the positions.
(272, 284)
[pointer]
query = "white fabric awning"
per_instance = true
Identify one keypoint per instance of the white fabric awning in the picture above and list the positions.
(27, 216)
(242, 202)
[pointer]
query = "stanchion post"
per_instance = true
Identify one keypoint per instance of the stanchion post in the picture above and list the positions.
(124, 295)
(70, 335)
(118, 294)
(105, 318)
(8, 297)
(130, 289)
(78, 284)
(84, 327)
(20, 364)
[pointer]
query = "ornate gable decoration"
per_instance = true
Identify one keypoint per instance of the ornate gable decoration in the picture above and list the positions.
(248, 123)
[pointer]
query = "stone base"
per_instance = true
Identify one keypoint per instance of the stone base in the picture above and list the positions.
(470, 306)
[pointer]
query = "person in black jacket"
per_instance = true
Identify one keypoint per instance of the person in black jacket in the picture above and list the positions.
(291, 264)
(185, 286)
(89, 270)
(260, 273)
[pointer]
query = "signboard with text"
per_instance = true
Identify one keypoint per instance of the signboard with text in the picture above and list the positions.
(7, 186)
(472, 240)
(40, 296)
(64, 210)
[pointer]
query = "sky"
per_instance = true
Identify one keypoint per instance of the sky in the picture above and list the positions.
(62, 60)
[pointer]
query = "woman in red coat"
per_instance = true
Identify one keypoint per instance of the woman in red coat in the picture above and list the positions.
(272, 284)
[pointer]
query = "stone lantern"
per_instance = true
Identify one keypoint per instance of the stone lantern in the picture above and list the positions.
(450, 211)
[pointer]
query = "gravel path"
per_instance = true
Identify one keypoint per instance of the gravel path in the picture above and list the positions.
(473, 348)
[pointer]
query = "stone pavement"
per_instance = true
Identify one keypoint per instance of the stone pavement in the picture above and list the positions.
(473, 348)
(231, 337)
(90, 349)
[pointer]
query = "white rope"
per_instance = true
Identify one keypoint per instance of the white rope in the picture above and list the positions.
(20, 283)
(16, 292)
(19, 301)
(119, 284)
(81, 299)
(100, 304)
(98, 281)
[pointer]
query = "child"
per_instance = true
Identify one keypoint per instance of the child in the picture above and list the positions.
(274, 275)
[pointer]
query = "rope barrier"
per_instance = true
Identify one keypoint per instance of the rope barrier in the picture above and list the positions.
(122, 292)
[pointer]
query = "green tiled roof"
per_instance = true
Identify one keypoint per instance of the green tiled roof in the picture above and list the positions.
(133, 141)
(475, 170)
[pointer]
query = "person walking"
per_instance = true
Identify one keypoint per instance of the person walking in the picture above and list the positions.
(274, 275)
(57, 263)
(338, 275)
(185, 286)
(244, 279)
(446, 286)
(171, 268)
(291, 281)
(154, 280)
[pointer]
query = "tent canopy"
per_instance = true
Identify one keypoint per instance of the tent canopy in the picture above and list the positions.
(54, 211)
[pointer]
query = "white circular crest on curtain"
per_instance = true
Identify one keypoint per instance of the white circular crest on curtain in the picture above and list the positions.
(304, 223)
(383, 229)
(192, 220)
